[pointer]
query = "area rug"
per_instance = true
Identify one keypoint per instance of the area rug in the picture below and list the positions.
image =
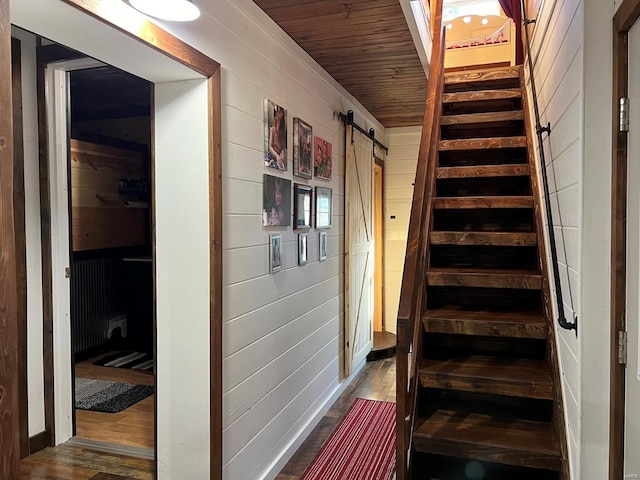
(133, 360)
(361, 448)
(109, 397)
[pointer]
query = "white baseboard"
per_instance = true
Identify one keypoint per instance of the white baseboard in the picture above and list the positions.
(295, 444)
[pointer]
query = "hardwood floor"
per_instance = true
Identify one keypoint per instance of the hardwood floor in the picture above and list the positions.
(133, 427)
(376, 381)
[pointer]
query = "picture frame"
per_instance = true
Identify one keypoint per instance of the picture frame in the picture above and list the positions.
(302, 249)
(302, 206)
(323, 207)
(275, 253)
(276, 201)
(322, 159)
(302, 149)
(275, 136)
(323, 246)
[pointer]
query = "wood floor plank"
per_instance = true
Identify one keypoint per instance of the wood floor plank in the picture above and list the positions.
(508, 239)
(476, 373)
(494, 201)
(474, 171)
(482, 143)
(485, 117)
(512, 323)
(482, 95)
(488, 278)
(485, 437)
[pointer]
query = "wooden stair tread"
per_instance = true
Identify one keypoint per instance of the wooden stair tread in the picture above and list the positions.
(482, 95)
(485, 277)
(489, 201)
(516, 323)
(508, 239)
(511, 377)
(513, 170)
(487, 75)
(486, 117)
(489, 438)
(482, 143)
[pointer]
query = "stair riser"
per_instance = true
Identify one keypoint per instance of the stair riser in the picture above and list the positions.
(540, 392)
(529, 282)
(478, 328)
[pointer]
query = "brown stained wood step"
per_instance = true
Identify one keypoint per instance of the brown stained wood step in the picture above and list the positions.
(488, 438)
(482, 143)
(478, 118)
(482, 95)
(505, 239)
(487, 278)
(516, 323)
(491, 201)
(488, 75)
(515, 170)
(515, 378)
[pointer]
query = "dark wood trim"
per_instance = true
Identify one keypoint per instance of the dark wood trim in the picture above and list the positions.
(215, 232)
(152, 35)
(9, 399)
(39, 442)
(21, 244)
(379, 162)
(45, 238)
(624, 18)
(543, 259)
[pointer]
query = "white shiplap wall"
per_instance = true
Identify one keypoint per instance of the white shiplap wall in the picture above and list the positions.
(282, 333)
(557, 52)
(399, 175)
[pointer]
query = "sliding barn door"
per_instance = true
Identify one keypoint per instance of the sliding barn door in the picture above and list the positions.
(359, 254)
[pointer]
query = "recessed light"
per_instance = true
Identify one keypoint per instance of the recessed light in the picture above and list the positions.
(466, 19)
(485, 21)
(450, 26)
(174, 10)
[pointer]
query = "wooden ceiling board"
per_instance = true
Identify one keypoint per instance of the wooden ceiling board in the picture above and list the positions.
(366, 46)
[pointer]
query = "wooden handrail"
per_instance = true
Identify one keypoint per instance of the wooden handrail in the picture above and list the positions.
(412, 294)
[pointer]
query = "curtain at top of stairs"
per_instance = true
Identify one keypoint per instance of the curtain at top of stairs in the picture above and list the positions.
(513, 10)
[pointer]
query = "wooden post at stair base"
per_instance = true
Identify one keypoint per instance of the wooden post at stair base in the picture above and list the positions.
(9, 432)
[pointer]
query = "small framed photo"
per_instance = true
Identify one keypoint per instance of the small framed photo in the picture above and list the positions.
(323, 207)
(302, 149)
(323, 246)
(322, 161)
(275, 253)
(276, 201)
(275, 135)
(302, 249)
(302, 205)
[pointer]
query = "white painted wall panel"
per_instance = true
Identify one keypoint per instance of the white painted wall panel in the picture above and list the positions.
(399, 175)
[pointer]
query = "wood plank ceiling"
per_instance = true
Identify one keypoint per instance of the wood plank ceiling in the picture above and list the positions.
(366, 46)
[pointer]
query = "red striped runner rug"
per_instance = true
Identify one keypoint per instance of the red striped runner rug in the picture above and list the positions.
(361, 448)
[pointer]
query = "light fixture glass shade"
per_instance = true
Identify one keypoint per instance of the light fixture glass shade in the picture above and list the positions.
(466, 19)
(173, 10)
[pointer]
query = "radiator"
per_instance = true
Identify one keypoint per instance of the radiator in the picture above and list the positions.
(94, 300)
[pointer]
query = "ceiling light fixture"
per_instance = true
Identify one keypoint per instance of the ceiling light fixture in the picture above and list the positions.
(173, 10)
(466, 19)
(485, 21)
(450, 26)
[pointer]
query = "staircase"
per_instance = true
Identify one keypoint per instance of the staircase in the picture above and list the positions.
(486, 396)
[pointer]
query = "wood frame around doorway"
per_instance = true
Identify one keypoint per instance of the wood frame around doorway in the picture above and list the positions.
(627, 14)
(159, 39)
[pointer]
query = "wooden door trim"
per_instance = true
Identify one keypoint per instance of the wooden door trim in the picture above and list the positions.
(378, 162)
(164, 42)
(21, 244)
(623, 20)
(9, 399)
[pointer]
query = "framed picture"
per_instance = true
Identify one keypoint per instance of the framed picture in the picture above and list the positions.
(302, 148)
(276, 201)
(275, 136)
(322, 163)
(275, 253)
(302, 248)
(323, 246)
(302, 205)
(323, 207)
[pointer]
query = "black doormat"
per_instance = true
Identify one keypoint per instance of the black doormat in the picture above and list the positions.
(133, 360)
(108, 397)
